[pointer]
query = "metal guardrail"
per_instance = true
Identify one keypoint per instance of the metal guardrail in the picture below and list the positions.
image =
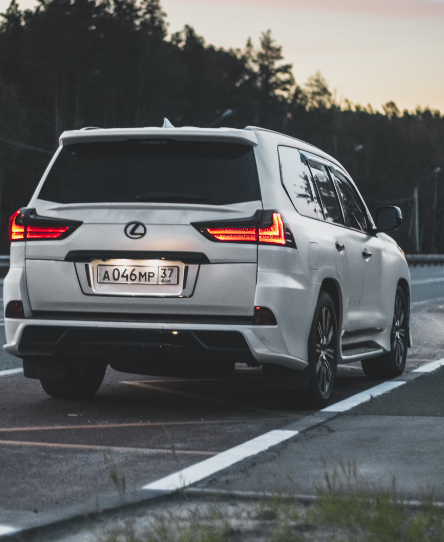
(413, 259)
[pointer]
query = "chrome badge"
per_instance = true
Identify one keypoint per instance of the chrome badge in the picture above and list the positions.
(135, 230)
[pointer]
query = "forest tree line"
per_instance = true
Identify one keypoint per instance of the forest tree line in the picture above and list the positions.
(112, 63)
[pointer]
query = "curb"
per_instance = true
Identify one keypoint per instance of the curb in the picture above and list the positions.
(90, 510)
(300, 498)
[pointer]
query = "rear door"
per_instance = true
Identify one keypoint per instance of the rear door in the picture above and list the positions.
(341, 242)
(370, 307)
(138, 249)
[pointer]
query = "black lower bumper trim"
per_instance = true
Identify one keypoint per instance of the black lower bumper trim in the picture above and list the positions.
(117, 342)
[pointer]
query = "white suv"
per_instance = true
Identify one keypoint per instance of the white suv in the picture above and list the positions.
(158, 250)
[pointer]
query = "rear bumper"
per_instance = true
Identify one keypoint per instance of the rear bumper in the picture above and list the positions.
(117, 342)
(110, 339)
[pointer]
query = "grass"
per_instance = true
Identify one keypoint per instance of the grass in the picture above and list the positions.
(348, 509)
(335, 517)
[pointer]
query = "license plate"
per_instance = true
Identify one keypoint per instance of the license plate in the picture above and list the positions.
(120, 274)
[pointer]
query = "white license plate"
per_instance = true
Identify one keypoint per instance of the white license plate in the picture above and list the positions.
(121, 274)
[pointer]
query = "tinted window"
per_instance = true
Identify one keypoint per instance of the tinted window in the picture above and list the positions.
(353, 211)
(330, 204)
(296, 179)
(131, 171)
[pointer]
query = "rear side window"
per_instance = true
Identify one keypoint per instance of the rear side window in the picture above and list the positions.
(146, 170)
(296, 179)
(353, 209)
(329, 199)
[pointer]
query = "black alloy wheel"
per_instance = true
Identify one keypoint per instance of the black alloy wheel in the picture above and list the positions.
(322, 353)
(392, 364)
(399, 333)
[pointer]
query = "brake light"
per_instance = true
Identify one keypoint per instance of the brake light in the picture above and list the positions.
(275, 234)
(39, 232)
(25, 224)
(234, 234)
(16, 231)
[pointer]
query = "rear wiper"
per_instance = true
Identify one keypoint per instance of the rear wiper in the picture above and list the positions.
(175, 198)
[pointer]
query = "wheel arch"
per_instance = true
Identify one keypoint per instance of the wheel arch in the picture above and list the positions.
(331, 287)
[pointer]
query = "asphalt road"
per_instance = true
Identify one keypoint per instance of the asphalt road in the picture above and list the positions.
(395, 440)
(139, 429)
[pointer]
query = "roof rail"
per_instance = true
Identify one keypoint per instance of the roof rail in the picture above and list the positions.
(91, 128)
(252, 128)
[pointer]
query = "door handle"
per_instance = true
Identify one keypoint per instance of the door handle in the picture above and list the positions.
(366, 254)
(340, 246)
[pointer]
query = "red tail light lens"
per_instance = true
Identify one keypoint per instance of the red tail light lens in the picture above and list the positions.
(234, 234)
(25, 224)
(272, 235)
(39, 232)
(275, 234)
(16, 232)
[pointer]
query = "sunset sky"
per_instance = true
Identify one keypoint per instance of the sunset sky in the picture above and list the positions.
(370, 51)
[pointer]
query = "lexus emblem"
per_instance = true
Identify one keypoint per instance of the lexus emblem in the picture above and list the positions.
(135, 230)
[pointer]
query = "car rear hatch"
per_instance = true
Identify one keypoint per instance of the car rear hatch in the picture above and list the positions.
(135, 247)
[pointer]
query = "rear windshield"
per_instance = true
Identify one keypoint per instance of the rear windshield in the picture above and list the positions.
(169, 171)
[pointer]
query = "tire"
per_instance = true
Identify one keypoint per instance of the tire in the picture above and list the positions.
(322, 354)
(80, 382)
(392, 364)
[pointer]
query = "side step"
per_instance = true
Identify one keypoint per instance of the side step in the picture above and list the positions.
(359, 353)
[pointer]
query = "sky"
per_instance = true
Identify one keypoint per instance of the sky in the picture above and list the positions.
(369, 51)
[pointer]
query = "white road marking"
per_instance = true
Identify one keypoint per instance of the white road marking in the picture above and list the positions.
(426, 281)
(195, 473)
(430, 367)
(10, 372)
(427, 302)
(210, 466)
(5, 529)
(363, 396)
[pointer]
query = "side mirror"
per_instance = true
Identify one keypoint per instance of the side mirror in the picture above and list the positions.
(388, 218)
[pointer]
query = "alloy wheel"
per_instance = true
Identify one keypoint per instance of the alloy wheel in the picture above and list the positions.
(325, 352)
(399, 331)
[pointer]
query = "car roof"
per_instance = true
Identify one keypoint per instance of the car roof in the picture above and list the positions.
(246, 136)
(187, 133)
(284, 139)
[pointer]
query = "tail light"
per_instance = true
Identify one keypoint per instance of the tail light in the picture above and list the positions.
(16, 231)
(271, 231)
(36, 232)
(238, 235)
(274, 234)
(27, 225)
